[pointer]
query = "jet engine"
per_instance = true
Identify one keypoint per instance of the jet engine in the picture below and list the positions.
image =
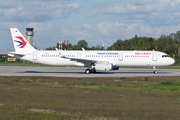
(103, 66)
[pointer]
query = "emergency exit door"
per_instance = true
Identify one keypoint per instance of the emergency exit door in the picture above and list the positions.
(120, 57)
(79, 55)
(154, 56)
(35, 55)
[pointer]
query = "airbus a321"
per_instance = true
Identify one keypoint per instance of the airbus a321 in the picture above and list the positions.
(93, 60)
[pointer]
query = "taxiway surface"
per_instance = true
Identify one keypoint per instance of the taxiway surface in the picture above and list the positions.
(79, 72)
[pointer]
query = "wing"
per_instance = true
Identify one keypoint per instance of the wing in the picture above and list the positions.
(87, 62)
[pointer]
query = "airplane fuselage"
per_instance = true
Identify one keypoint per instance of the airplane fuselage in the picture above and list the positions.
(117, 58)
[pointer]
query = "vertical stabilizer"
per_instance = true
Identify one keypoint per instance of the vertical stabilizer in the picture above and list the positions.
(20, 43)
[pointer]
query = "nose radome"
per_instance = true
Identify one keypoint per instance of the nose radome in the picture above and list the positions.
(173, 61)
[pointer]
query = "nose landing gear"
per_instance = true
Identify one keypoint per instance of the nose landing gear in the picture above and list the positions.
(155, 71)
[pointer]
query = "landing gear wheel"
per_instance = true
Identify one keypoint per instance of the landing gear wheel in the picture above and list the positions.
(87, 71)
(155, 72)
(93, 70)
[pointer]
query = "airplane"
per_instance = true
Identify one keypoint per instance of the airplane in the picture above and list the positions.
(93, 60)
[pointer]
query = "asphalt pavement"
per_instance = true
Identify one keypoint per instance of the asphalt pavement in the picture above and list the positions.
(79, 72)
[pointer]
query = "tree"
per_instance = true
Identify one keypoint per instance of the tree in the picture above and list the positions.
(82, 43)
(50, 48)
(98, 47)
(178, 36)
(162, 38)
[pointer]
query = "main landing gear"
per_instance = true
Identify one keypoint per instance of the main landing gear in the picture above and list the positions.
(155, 71)
(87, 71)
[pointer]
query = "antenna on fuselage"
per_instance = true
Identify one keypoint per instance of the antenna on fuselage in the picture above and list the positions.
(83, 49)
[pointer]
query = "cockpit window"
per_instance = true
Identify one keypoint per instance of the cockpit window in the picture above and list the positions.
(165, 55)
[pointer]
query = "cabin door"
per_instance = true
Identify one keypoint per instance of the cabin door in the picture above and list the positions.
(35, 55)
(120, 57)
(79, 55)
(154, 56)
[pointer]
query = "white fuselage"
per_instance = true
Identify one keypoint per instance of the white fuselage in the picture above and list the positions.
(116, 58)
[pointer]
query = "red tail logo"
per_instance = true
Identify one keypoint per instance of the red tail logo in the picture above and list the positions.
(22, 43)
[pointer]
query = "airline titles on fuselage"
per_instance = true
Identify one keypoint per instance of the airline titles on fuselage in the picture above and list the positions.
(102, 53)
(142, 53)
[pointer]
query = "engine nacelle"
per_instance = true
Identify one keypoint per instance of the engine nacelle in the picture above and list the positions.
(103, 66)
(115, 68)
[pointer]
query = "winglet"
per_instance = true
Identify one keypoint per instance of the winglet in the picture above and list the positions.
(59, 52)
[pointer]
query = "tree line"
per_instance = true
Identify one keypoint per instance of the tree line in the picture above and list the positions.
(81, 44)
(169, 44)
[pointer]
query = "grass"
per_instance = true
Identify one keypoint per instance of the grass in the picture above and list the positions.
(22, 64)
(89, 98)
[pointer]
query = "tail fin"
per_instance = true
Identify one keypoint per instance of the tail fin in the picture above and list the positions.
(20, 43)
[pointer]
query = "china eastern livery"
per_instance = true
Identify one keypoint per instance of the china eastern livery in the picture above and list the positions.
(93, 60)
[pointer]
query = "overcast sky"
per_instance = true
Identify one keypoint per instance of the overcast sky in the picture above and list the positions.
(90, 20)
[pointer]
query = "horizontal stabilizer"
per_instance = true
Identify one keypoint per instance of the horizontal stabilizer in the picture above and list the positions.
(12, 54)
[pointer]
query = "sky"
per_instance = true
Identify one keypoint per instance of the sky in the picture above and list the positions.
(90, 20)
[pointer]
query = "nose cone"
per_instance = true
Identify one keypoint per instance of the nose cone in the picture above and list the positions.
(172, 61)
(169, 61)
